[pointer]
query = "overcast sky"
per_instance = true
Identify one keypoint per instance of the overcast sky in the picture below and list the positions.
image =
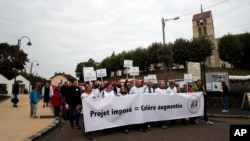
(66, 32)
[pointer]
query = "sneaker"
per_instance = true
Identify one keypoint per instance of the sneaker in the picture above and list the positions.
(35, 117)
(209, 122)
(196, 121)
(223, 111)
(149, 128)
(163, 127)
(77, 127)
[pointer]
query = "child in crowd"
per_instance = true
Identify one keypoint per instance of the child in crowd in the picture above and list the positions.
(34, 98)
(56, 101)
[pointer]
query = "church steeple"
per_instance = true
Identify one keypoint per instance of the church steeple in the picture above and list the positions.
(201, 8)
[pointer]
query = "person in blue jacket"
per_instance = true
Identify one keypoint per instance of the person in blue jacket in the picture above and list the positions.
(34, 98)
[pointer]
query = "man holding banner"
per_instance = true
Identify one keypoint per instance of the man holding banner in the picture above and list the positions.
(137, 89)
(199, 88)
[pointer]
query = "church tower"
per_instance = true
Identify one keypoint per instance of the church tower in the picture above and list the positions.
(203, 26)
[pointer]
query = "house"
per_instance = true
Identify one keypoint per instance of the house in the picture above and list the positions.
(60, 78)
(6, 84)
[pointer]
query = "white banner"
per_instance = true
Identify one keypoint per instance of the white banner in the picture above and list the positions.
(101, 73)
(153, 78)
(112, 111)
(127, 63)
(194, 69)
(89, 76)
(134, 70)
(188, 78)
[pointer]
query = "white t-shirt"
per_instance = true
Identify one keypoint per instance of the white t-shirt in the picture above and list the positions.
(160, 91)
(135, 90)
(96, 92)
(171, 90)
(85, 95)
(106, 93)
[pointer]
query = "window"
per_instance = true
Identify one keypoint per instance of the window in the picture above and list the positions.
(205, 30)
(200, 34)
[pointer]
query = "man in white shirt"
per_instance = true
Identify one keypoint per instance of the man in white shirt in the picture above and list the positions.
(137, 89)
(171, 88)
(161, 89)
(149, 87)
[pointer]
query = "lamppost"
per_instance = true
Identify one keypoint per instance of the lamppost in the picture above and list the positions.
(31, 66)
(17, 51)
(163, 35)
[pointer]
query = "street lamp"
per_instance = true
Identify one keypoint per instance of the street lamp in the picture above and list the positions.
(35, 61)
(163, 35)
(17, 50)
(163, 26)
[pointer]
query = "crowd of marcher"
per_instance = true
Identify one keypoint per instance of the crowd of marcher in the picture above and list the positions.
(68, 98)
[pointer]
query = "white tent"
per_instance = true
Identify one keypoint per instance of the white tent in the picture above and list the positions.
(234, 77)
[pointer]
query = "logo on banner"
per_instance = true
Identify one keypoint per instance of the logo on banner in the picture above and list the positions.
(193, 104)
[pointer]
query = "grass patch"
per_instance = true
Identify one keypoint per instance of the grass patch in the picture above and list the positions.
(3, 97)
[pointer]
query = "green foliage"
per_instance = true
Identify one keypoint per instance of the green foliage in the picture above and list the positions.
(200, 49)
(181, 51)
(245, 40)
(9, 61)
(152, 55)
(231, 49)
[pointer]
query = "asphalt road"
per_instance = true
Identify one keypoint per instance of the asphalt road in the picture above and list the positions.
(217, 132)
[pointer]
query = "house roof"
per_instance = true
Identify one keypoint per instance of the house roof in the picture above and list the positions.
(202, 15)
(67, 76)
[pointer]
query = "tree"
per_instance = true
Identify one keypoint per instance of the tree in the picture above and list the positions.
(152, 53)
(245, 40)
(140, 58)
(165, 57)
(200, 49)
(8, 60)
(230, 49)
(181, 51)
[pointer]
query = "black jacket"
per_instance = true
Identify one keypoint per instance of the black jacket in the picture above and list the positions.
(73, 96)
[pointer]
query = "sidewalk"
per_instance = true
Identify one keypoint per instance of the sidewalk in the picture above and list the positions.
(233, 113)
(16, 123)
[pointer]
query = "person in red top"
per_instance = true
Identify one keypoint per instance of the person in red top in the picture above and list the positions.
(190, 89)
(56, 101)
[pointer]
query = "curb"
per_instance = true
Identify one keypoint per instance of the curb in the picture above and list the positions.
(228, 116)
(41, 133)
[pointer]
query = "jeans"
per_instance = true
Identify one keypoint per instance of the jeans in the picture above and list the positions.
(33, 108)
(56, 111)
(73, 115)
(224, 102)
